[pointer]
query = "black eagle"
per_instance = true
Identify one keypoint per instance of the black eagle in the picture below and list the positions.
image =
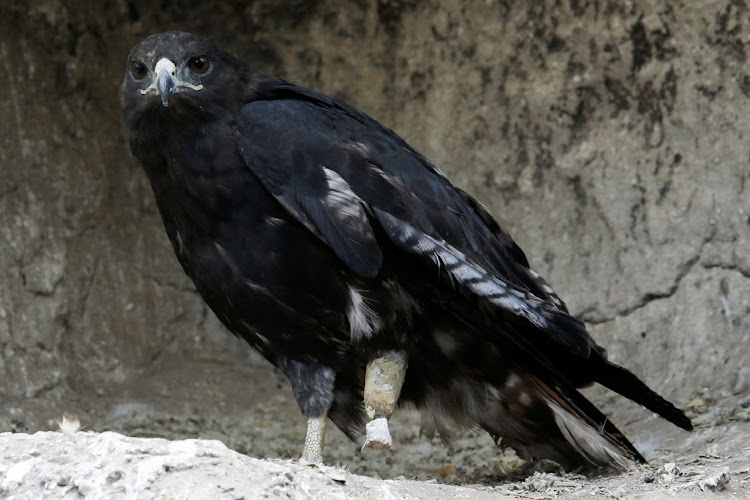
(352, 263)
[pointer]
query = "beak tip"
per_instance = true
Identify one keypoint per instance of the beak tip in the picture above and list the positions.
(166, 86)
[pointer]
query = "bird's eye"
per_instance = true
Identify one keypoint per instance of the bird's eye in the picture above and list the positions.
(138, 70)
(198, 64)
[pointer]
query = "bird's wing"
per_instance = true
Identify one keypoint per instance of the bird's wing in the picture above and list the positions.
(338, 171)
(292, 161)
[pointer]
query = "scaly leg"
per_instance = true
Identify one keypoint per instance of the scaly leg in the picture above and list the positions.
(314, 439)
(383, 380)
(312, 385)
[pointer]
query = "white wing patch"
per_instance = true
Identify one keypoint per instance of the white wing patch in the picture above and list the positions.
(339, 198)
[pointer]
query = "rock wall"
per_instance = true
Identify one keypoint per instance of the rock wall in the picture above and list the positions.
(606, 136)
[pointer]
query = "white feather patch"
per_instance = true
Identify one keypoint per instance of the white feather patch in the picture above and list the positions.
(339, 196)
(588, 441)
(165, 64)
(363, 321)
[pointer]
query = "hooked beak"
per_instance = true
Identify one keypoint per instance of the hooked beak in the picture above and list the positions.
(165, 85)
(166, 82)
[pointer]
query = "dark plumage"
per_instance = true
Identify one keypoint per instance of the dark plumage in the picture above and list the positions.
(324, 240)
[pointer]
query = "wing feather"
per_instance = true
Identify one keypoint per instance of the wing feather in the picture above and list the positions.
(556, 325)
(317, 196)
(335, 166)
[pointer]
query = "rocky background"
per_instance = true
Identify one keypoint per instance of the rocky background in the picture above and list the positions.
(607, 136)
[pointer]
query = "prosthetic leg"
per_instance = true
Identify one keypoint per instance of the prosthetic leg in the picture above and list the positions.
(383, 380)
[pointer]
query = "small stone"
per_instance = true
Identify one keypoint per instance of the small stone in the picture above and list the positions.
(696, 403)
(704, 419)
(336, 475)
(717, 482)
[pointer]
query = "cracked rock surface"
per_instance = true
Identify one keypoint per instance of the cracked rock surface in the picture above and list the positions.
(607, 137)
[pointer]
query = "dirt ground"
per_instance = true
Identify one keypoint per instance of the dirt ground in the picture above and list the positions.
(108, 465)
(714, 458)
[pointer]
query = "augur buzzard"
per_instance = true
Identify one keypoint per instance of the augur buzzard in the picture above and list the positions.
(354, 265)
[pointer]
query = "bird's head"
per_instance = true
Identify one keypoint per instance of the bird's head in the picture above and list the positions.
(177, 71)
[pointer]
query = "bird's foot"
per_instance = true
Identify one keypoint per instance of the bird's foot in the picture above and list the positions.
(312, 453)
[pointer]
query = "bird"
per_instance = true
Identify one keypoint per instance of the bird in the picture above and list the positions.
(355, 266)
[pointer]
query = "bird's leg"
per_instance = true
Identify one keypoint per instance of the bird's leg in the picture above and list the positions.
(312, 386)
(314, 439)
(383, 380)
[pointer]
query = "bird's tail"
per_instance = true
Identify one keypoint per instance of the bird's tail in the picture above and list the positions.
(623, 382)
(589, 432)
(536, 419)
(538, 416)
(524, 400)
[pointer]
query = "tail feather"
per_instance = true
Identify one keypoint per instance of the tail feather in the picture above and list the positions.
(587, 429)
(624, 382)
(589, 442)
